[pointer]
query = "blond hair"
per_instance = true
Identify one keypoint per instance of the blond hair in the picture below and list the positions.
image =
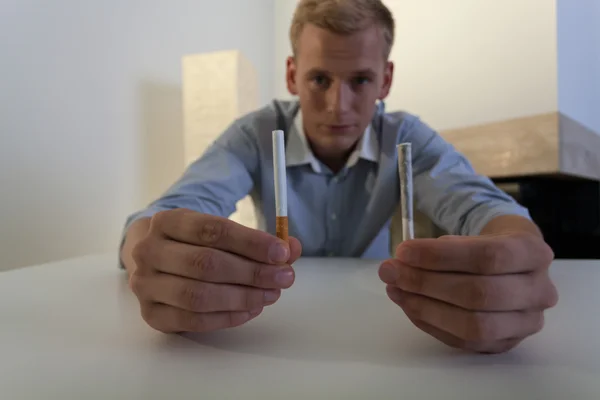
(343, 17)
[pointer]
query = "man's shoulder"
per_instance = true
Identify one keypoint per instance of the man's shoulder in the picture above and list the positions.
(400, 124)
(268, 117)
(253, 130)
(398, 119)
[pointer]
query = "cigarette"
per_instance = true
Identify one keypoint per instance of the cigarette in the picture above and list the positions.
(280, 181)
(406, 190)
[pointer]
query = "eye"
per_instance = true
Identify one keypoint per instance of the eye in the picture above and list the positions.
(361, 80)
(320, 80)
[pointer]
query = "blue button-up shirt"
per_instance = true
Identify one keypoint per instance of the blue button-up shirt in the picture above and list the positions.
(346, 214)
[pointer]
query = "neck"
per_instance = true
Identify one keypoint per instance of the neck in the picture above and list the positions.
(335, 165)
(335, 162)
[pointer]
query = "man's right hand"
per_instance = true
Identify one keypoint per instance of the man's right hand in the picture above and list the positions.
(197, 273)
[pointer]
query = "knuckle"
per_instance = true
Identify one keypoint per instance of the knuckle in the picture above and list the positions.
(478, 295)
(543, 293)
(212, 231)
(140, 253)
(533, 244)
(481, 328)
(257, 276)
(193, 297)
(546, 254)
(159, 218)
(136, 284)
(204, 263)
(145, 254)
(414, 278)
(496, 254)
(434, 256)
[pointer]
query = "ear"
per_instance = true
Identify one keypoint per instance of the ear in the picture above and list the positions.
(290, 76)
(388, 76)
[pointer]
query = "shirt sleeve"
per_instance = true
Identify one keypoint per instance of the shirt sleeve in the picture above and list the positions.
(449, 191)
(213, 184)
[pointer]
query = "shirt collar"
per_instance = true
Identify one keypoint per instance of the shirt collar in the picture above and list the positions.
(298, 151)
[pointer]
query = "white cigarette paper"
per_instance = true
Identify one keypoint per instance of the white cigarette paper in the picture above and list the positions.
(280, 180)
(406, 190)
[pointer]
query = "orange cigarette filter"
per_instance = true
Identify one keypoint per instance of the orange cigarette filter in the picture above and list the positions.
(282, 228)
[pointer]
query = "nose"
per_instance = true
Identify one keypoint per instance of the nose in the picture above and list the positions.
(339, 98)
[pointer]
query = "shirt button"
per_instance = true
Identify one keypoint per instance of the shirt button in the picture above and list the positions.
(333, 216)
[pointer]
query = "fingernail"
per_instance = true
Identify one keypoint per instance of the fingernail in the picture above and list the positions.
(271, 296)
(389, 273)
(408, 256)
(278, 253)
(285, 277)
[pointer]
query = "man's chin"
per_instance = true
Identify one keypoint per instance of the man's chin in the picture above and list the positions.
(345, 131)
(338, 144)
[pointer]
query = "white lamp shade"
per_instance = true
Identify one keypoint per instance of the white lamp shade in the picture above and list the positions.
(218, 87)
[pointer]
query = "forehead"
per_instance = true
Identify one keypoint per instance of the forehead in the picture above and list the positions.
(320, 48)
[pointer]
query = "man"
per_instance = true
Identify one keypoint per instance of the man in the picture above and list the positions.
(484, 288)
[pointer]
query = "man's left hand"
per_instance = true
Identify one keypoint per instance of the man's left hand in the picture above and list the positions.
(480, 293)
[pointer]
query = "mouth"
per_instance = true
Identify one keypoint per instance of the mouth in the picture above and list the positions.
(340, 128)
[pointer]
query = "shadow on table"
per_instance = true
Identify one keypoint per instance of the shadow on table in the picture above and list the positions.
(330, 326)
(337, 338)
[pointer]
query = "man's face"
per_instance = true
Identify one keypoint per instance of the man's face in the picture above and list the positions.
(338, 80)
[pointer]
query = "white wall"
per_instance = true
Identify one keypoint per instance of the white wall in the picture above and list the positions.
(579, 61)
(464, 62)
(90, 103)
(284, 11)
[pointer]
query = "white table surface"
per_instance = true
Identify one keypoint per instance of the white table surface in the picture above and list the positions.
(72, 330)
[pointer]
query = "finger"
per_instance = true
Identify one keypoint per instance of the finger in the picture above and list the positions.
(295, 250)
(221, 233)
(172, 320)
(483, 255)
(212, 265)
(496, 347)
(196, 296)
(468, 325)
(515, 292)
